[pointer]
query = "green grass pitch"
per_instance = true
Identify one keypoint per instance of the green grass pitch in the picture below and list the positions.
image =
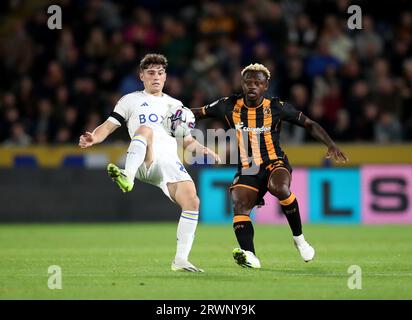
(132, 261)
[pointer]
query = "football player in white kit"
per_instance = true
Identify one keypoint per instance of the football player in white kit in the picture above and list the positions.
(152, 154)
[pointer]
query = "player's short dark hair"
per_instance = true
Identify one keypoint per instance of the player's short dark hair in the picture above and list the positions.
(152, 59)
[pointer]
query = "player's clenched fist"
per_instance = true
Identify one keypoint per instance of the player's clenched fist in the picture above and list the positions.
(86, 140)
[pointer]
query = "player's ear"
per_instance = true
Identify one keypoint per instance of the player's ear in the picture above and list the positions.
(141, 75)
(266, 85)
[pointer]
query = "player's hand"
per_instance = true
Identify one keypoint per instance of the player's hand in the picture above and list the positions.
(335, 153)
(207, 151)
(86, 140)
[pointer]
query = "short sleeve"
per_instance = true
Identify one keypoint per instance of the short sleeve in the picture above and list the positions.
(120, 113)
(291, 114)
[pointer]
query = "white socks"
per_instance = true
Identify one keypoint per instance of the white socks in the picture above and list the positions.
(186, 233)
(299, 239)
(135, 156)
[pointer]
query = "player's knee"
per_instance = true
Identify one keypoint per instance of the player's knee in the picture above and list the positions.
(145, 131)
(193, 202)
(279, 190)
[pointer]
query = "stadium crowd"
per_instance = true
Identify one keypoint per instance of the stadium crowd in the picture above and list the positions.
(357, 84)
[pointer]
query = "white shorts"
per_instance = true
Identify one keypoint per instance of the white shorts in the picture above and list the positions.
(166, 168)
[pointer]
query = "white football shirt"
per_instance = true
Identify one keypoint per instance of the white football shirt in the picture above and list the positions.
(141, 108)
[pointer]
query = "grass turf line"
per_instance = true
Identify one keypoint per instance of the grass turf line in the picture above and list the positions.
(132, 261)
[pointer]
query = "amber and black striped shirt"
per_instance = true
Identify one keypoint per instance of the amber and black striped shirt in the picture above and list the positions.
(257, 128)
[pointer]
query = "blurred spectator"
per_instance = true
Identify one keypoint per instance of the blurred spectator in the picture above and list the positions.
(273, 24)
(317, 113)
(93, 121)
(388, 96)
(332, 102)
(44, 122)
(350, 74)
(63, 135)
(406, 91)
(26, 96)
(343, 130)
(215, 21)
(10, 115)
(18, 136)
(319, 61)
(175, 44)
(355, 83)
(142, 30)
(357, 97)
(174, 87)
(300, 99)
(401, 52)
(387, 129)
(366, 122)
(70, 123)
(368, 43)
(292, 76)
(340, 45)
(210, 85)
(203, 59)
(229, 54)
(96, 45)
(252, 36)
(303, 32)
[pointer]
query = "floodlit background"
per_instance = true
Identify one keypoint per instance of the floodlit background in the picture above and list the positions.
(56, 84)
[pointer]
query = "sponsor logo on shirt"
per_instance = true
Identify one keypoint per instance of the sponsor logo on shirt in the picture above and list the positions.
(240, 126)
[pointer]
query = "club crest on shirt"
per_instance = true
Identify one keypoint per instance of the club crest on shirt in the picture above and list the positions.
(267, 112)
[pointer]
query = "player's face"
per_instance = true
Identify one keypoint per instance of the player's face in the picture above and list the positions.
(254, 85)
(153, 79)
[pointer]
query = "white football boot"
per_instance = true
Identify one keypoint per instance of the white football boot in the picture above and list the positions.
(307, 252)
(184, 265)
(246, 258)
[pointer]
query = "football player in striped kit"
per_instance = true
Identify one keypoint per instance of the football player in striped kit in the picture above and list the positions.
(262, 164)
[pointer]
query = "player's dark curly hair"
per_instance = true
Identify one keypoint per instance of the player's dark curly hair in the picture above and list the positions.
(152, 59)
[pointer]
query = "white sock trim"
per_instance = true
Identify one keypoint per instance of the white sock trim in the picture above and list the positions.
(190, 215)
(140, 138)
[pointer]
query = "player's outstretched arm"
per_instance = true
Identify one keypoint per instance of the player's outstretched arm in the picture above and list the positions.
(191, 144)
(98, 135)
(320, 134)
(199, 113)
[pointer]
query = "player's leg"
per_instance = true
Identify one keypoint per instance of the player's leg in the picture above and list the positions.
(279, 186)
(244, 199)
(184, 194)
(140, 150)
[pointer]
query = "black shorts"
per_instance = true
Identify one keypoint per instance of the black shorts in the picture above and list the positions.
(259, 182)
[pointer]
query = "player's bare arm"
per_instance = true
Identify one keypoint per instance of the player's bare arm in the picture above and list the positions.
(98, 135)
(321, 135)
(192, 145)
